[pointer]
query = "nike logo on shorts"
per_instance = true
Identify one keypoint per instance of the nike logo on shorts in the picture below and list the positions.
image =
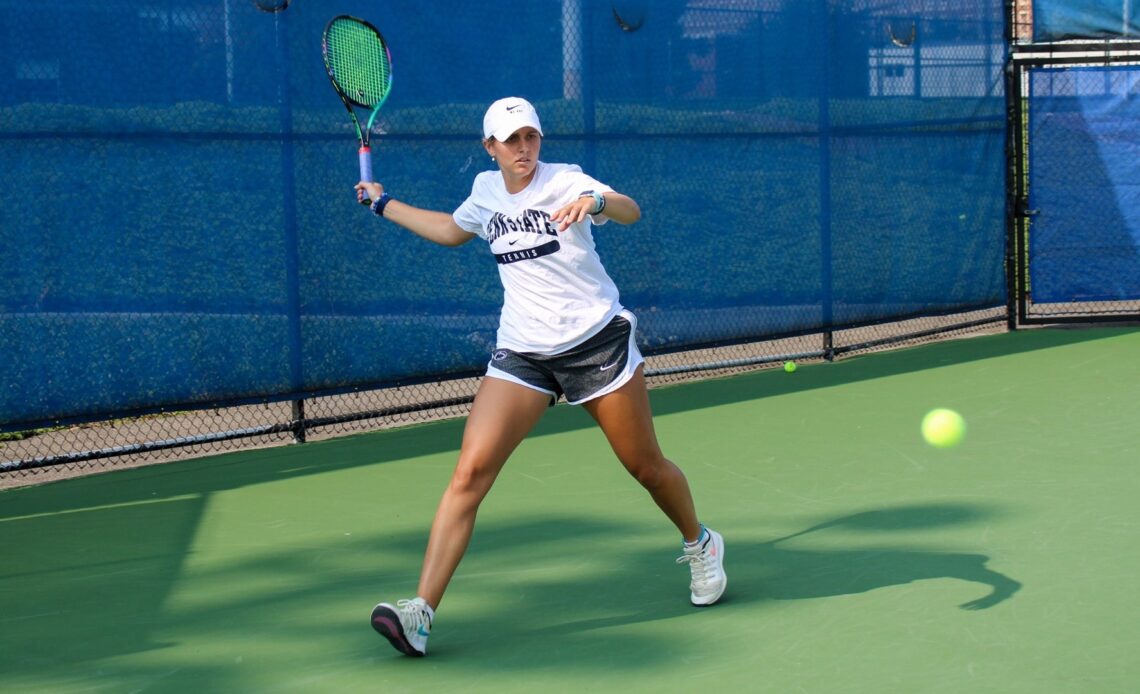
(607, 367)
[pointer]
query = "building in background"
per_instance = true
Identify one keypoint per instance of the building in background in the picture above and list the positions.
(1023, 20)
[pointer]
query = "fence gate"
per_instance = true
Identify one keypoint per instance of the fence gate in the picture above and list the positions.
(1075, 227)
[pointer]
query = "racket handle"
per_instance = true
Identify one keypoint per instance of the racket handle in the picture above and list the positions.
(365, 170)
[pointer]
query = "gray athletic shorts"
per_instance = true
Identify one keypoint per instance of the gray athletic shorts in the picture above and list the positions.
(600, 365)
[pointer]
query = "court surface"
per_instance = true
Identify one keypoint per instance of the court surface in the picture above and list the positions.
(859, 558)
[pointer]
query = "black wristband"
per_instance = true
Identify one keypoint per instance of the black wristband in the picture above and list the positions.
(380, 203)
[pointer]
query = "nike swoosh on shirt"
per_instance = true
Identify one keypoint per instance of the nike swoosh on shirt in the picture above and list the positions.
(607, 367)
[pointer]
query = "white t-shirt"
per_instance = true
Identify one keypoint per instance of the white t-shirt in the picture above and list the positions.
(556, 294)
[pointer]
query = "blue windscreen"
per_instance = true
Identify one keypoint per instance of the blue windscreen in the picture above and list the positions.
(179, 227)
(1084, 242)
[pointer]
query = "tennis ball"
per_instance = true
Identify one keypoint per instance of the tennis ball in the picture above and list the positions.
(943, 428)
(789, 366)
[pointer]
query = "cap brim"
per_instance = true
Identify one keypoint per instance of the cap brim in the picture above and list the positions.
(504, 133)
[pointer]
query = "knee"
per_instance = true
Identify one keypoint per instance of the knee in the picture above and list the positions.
(650, 472)
(470, 479)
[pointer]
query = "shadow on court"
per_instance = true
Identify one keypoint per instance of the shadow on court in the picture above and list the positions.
(574, 621)
(809, 574)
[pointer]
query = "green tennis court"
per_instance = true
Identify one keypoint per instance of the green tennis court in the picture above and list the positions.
(859, 558)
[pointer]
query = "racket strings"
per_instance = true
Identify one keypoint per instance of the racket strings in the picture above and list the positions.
(359, 62)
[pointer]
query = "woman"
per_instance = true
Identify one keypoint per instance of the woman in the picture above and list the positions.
(562, 332)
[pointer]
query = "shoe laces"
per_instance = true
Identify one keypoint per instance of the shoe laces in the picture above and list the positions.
(413, 615)
(700, 565)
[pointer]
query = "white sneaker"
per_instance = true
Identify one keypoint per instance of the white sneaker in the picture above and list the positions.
(706, 563)
(406, 626)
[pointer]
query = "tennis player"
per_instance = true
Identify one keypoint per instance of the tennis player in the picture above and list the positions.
(562, 332)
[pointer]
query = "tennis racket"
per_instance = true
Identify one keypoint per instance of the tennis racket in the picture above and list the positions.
(360, 69)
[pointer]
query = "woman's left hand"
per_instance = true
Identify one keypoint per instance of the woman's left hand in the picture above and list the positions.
(573, 212)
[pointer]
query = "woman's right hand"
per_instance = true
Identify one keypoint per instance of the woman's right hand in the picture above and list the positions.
(369, 190)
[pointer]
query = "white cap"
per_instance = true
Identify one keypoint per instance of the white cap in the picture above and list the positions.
(505, 116)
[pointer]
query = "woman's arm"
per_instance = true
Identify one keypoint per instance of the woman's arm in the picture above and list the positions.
(620, 208)
(438, 227)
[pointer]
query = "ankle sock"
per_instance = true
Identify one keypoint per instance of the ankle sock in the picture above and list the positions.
(696, 542)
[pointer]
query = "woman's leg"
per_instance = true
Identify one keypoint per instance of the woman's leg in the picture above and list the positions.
(625, 417)
(502, 415)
